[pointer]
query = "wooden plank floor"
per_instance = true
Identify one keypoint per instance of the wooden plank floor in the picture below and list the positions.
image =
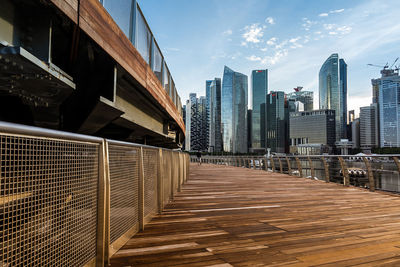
(228, 216)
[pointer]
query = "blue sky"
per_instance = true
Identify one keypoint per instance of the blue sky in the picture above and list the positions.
(291, 39)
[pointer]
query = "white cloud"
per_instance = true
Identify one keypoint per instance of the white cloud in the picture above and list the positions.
(344, 29)
(281, 45)
(336, 11)
(227, 32)
(294, 40)
(333, 33)
(307, 24)
(270, 20)
(253, 33)
(253, 58)
(328, 26)
(272, 41)
(272, 60)
(323, 15)
(264, 49)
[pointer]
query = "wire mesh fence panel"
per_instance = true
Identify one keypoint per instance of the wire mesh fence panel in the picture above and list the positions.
(48, 201)
(150, 180)
(167, 175)
(124, 189)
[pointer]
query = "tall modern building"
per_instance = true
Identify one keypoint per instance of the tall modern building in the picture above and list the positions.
(196, 124)
(234, 111)
(389, 108)
(214, 116)
(306, 98)
(259, 82)
(355, 132)
(369, 132)
(208, 100)
(333, 91)
(276, 124)
(312, 132)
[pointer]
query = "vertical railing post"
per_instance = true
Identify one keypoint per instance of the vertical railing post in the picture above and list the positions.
(179, 168)
(299, 168)
(289, 166)
(160, 180)
(312, 170)
(103, 211)
(254, 163)
(371, 180)
(280, 165)
(271, 160)
(346, 178)
(326, 168)
(141, 190)
(396, 161)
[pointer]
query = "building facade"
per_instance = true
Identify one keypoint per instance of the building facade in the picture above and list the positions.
(196, 121)
(333, 91)
(214, 118)
(312, 132)
(234, 111)
(306, 98)
(259, 82)
(369, 132)
(276, 124)
(389, 108)
(355, 132)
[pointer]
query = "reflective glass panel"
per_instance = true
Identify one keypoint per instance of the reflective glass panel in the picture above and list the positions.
(143, 37)
(120, 11)
(166, 79)
(157, 62)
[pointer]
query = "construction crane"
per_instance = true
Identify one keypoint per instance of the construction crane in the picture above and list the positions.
(386, 70)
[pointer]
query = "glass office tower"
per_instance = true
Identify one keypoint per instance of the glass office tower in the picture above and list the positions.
(215, 135)
(333, 91)
(276, 122)
(259, 81)
(234, 111)
(389, 108)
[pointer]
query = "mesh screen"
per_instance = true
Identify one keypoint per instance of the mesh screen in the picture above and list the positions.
(150, 180)
(48, 201)
(167, 175)
(124, 189)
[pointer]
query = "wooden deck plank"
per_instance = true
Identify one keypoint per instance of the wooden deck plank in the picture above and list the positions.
(227, 216)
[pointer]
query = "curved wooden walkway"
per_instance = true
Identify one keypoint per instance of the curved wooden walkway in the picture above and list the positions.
(228, 216)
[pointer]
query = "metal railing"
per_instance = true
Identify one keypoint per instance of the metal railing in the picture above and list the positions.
(379, 172)
(74, 200)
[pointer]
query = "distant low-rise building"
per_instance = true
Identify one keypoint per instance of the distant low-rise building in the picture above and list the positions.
(306, 98)
(312, 132)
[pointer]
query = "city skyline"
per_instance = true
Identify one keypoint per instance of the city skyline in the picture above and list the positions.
(291, 43)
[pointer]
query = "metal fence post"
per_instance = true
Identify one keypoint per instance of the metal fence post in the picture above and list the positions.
(299, 168)
(396, 160)
(103, 208)
(160, 179)
(271, 159)
(141, 190)
(179, 168)
(326, 168)
(289, 166)
(371, 180)
(346, 178)
(280, 165)
(311, 167)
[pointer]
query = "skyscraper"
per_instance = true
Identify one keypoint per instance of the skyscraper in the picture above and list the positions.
(195, 124)
(214, 125)
(208, 109)
(389, 108)
(259, 81)
(234, 111)
(304, 97)
(369, 135)
(276, 124)
(333, 91)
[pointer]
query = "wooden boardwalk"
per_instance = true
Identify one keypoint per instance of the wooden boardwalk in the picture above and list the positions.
(229, 216)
